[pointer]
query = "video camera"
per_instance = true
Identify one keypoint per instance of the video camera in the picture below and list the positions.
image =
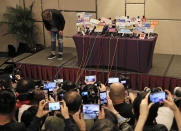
(90, 93)
(14, 76)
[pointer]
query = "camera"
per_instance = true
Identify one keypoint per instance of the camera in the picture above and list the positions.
(60, 93)
(90, 93)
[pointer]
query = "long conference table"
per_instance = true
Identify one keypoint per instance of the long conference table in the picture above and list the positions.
(127, 53)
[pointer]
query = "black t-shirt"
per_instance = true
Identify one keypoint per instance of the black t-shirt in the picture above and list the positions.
(125, 110)
(156, 127)
(13, 126)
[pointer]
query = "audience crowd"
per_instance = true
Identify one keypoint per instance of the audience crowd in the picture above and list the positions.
(24, 107)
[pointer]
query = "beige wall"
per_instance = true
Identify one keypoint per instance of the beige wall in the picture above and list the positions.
(8, 39)
(168, 30)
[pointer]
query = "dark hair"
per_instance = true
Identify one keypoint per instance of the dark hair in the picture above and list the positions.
(38, 95)
(5, 84)
(7, 101)
(28, 115)
(111, 116)
(68, 85)
(155, 90)
(47, 15)
(73, 100)
(24, 86)
(160, 127)
(104, 125)
(152, 112)
(14, 126)
(177, 91)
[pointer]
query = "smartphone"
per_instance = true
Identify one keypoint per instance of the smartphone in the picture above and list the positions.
(103, 98)
(90, 111)
(123, 82)
(58, 81)
(54, 106)
(50, 86)
(60, 96)
(113, 80)
(157, 97)
(84, 93)
(11, 76)
(51, 93)
(90, 78)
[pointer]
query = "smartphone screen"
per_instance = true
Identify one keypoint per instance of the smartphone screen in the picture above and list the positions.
(84, 93)
(103, 98)
(90, 78)
(123, 82)
(60, 96)
(90, 111)
(54, 106)
(157, 97)
(58, 81)
(50, 86)
(11, 76)
(113, 80)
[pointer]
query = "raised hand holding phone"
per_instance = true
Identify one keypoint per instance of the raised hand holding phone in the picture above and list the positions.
(90, 79)
(169, 101)
(78, 118)
(64, 110)
(144, 111)
(103, 98)
(41, 112)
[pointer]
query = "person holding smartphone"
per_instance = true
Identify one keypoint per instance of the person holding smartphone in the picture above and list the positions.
(145, 111)
(70, 110)
(117, 95)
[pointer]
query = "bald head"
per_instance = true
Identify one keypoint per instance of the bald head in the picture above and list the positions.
(73, 101)
(117, 92)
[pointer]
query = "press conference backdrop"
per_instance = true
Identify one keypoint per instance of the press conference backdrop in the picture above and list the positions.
(166, 11)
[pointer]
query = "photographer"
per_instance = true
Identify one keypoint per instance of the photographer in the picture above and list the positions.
(24, 96)
(73, 102)
(7, 110)
(165, 115)
(117, 95)
(170, 103)
(177, 101)
(145, 112)
(146, 118)
(70, 111)
(108, 111)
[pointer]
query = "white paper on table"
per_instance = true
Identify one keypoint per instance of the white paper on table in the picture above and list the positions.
(94, 21)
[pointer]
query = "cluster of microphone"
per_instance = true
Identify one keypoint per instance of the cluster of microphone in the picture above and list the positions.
(120, 26)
